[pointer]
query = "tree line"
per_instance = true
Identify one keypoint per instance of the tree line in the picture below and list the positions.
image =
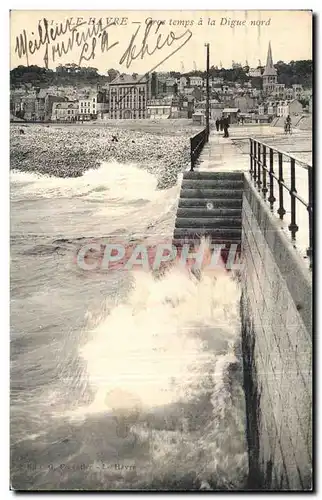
(71, 74)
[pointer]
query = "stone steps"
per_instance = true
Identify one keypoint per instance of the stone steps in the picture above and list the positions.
(208, 222)
(195, 212)
(235, 194)
(210, 205)
(228, 234)
(216, 203)
(199, 175)
(179, 241)
(206, 184)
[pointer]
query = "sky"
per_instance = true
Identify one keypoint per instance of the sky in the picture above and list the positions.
(178, 44)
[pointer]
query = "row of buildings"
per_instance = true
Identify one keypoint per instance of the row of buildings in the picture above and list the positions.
(160, 96)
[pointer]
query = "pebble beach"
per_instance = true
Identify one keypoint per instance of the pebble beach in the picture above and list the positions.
(69, 150)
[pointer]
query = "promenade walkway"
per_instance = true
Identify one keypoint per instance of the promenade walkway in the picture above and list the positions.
(232, 154)
(221, 154)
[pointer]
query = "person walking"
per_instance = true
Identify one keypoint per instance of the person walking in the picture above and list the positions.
(217, 125)
(226, 127)
(287, 124)
(221, 124)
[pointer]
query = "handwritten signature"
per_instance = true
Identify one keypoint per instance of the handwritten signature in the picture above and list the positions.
(49, 37)
(91, 38)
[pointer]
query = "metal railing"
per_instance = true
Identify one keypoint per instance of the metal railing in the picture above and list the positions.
(264, 171)
(197, 143)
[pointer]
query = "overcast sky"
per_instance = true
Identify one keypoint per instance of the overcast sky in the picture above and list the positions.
(290, 33)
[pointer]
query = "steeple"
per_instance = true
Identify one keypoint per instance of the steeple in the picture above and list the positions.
(269, 69)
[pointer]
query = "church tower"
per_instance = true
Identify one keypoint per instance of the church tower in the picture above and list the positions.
(270, 73)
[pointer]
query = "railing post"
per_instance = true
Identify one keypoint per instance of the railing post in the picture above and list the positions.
(259, 166)
(251, 157)
(271, 198)
(293, 226)
(281, 211)
(191, 154)
(264, 189)
(255, 161)
(310, 212)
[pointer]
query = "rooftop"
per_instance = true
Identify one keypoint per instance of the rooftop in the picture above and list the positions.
(231, 110)
(133, 79)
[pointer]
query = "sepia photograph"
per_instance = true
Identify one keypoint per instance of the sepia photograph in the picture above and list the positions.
(161, 250)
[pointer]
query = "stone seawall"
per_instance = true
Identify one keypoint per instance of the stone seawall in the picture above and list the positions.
(276, 310)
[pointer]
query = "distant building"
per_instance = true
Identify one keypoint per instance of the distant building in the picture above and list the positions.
(261, 109)
(228, 100)
(217, 80)
(199, 118)
(195, 81)
(182, 83)
(29, 108)
(194, 92)
(87, 108)
(279, 90)
(159, 108)
(288, 93)
(272, 108)
(270, 74)
(255, 72)
(171, 86)
(65, 111)
(44, 104)
(244, 103)
(102, 103)
(293, 107)
(16, 104)
(216, 108)
(297, 91)
(188, 105)
(128, 96)
(162, 76)
(254, 92)
(225, 89)
(232, 114)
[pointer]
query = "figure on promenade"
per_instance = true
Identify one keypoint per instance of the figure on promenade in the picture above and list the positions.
(287, 125)
(217, 124)
(226, 127)
(221, 124)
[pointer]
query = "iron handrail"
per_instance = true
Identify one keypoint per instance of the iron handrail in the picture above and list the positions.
(303, 164)
(197, 143)
(260, 169)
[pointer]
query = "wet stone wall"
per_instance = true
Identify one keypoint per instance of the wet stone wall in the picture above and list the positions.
(276, 311)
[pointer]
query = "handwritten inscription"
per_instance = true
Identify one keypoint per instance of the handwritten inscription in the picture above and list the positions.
(49, 37)
(133, 52)
(90, 37)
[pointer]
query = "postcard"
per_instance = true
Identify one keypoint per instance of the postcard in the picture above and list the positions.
(161, 240)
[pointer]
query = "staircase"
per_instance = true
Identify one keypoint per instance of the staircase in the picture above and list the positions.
(210, 204)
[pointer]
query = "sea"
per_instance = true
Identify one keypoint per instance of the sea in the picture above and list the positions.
(119, 380)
